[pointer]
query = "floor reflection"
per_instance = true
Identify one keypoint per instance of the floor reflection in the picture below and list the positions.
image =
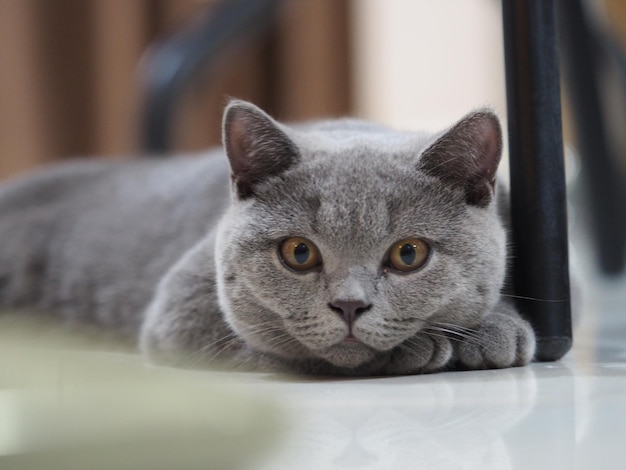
(569, 414)
(452, 420)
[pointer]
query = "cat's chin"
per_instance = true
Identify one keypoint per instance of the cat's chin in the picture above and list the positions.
(348, 354)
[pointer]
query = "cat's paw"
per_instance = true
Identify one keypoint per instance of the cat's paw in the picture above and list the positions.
(420, 354)
(500, 341)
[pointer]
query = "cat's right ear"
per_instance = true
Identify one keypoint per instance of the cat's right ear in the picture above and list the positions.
(256, 146)
(467, 156)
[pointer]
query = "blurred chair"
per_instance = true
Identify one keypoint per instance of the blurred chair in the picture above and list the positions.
(171, 66)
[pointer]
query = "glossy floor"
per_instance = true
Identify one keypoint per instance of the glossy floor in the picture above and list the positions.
(569, 414)
(64, 409)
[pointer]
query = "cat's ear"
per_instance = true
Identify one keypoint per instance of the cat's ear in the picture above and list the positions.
(467, 156)
(256, 146)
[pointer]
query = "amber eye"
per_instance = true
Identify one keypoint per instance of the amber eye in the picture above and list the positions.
(408, 255)
(299, 254)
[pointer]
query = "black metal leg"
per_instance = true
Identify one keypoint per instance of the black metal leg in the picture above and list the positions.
(538, 205)
(605, 191)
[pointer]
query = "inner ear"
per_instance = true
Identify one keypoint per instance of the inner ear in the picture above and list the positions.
(256, 146)
(467, 156)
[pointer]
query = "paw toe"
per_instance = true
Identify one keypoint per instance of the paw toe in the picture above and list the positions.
(420, 354)
(501, 342)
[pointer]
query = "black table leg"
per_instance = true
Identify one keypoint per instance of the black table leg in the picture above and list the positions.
(538, 204)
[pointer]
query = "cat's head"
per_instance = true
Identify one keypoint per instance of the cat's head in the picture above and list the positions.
(345, 239)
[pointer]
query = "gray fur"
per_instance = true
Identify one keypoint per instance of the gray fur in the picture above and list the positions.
(164, 252)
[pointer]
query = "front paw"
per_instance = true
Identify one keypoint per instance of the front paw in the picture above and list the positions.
(500, 341)
(420, 354)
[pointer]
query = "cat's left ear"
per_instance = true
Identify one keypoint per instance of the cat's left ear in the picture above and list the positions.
(256, 146)
(467, 156)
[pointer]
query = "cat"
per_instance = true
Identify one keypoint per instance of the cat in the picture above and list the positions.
(335, 247)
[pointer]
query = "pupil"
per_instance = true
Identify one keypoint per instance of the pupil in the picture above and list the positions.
(301, 253)
(407, 254)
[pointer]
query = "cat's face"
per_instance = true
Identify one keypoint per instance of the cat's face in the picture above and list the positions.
(349, 242)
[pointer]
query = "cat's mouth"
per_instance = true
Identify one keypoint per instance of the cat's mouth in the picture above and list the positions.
(350, 352)
(351, 339)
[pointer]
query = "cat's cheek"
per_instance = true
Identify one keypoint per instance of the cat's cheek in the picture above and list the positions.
(412, 298)
(317, 332)
(382, 337)
(272, 286)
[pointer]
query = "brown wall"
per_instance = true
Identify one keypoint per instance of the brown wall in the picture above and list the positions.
(69, 82)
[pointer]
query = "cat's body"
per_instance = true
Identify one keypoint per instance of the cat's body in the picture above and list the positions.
(159, 250)
(82, 237)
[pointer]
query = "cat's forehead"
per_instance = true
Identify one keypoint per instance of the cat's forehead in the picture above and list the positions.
(357, 197)
(354, 189)
(345, 138)
(372, 205)
(359, 163)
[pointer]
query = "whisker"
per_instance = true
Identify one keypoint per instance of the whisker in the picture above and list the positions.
(444, 336)
(450, 328)
(208, 346)
(453, 332)
(453, 326)
(406, 346)
(201, 355)
(461, 337)
(225, 342)
(534, 299)
(279, 338)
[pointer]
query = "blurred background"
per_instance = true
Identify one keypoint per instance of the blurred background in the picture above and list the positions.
(71, 81)
(74, 74)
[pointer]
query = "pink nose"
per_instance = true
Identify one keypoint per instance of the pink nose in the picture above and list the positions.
(349, 309)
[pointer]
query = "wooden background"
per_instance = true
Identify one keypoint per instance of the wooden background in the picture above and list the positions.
(69, 80)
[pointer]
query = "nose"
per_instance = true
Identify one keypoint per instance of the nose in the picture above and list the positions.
(350, 310)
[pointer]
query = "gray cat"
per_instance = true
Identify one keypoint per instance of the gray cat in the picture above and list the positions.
(336, 247)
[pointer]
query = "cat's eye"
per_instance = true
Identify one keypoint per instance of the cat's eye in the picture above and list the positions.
(299, 254)
(408, 255)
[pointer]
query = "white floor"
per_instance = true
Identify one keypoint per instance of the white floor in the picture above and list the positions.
(569, 414)
(563, 415)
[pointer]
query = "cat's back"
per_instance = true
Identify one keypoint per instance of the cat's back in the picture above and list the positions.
(67, 181)
(76, 236)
